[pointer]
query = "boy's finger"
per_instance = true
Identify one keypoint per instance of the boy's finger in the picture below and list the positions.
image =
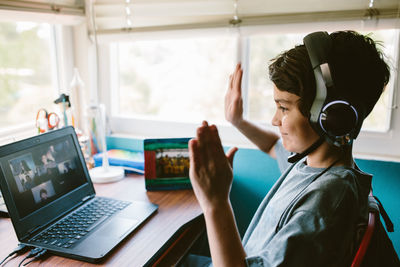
(238, 66)
(238, 80)
(216, 141)
(231, 154)
(202, 141)
(193, 154)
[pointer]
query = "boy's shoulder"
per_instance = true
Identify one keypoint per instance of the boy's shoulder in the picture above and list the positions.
(337, 189)
(343, 177)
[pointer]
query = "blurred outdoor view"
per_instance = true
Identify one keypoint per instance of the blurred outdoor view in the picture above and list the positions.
(186, 79)
(25, 71)
(263, 48)
(176, 80)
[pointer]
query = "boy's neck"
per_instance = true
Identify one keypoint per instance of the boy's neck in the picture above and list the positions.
(327, 154)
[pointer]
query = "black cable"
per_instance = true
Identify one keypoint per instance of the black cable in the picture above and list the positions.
(298, 156)
(31, 254)
(40, 254)
(21, 248)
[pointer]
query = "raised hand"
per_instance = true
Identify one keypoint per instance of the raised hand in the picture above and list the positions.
(210, 169)
(233, 97)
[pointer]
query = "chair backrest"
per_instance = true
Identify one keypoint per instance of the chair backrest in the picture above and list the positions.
(372, 217)
(362, 249)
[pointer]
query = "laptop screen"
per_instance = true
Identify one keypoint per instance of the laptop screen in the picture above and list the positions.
(42, 178)
(43, 173)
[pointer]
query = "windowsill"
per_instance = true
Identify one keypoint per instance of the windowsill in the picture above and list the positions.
(16, 133)
(245, 144)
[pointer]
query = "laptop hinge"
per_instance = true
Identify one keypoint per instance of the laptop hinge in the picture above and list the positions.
(32, 231)
(87, 198)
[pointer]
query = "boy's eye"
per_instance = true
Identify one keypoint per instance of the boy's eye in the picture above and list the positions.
(283, 109)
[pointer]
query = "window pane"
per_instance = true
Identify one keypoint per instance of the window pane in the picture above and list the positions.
(379, 118)
(25, 71)
(265, 47)
(180, 80)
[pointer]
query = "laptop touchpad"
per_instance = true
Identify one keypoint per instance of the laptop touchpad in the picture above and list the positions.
(117, 227)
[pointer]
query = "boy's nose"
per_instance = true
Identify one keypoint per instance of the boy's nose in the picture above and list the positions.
(276, 121)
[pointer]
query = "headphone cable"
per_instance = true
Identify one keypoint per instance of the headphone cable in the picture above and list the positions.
(31, 254)
(298, 156)
(21, 248)
(37, 256)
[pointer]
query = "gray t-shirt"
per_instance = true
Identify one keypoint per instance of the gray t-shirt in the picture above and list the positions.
(319, 221)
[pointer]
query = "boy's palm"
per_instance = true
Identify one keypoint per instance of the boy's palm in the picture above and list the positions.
(233, 98)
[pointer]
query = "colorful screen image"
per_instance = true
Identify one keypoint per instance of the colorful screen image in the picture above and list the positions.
(166, 163)
(172, 163)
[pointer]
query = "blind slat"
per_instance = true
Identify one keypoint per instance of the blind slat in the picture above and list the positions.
(67, 7)
(114, 16)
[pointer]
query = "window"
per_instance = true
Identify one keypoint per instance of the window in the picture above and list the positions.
(185, 79)
(26, 71)
(167, 87)
(175, 80)
(379, 119)
(265, 47)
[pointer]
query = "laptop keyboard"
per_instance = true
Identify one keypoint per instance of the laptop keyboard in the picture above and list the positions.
(71, 229)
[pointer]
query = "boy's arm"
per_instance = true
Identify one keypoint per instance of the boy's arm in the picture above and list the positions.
(211, 177)
(263, 139)
(223, 236)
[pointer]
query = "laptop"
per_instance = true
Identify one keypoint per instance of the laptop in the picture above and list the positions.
(52, 202)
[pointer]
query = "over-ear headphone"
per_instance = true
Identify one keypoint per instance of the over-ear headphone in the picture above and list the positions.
(332, 116)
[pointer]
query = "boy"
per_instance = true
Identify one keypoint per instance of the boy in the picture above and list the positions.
(315, 213)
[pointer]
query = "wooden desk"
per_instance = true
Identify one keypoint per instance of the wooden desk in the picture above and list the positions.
(160, 241)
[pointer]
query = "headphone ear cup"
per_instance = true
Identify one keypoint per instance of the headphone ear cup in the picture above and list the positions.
(338, 118)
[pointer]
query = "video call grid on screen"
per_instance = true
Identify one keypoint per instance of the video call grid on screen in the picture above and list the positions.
(42, 174)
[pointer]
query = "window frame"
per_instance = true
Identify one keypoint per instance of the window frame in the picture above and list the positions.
(62, 60)
(369, 144)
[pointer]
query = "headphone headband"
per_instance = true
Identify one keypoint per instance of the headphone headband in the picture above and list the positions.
(331, 116)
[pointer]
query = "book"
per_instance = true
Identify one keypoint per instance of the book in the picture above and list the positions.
(166, 163)
(131, 161)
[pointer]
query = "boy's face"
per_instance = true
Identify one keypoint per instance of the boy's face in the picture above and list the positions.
(296, 132)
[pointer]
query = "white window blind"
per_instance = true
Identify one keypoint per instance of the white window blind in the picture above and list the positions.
(67, 7)
(121, 16)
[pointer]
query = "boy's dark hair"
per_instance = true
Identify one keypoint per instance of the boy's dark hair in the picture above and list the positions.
(358, 69)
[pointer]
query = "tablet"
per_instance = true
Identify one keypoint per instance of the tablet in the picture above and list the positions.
(166, 163)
